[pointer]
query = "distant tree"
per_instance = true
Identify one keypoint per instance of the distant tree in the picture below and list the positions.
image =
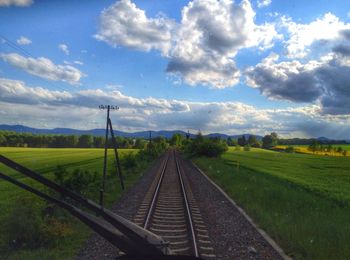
(71, 141)
(242, 141)
(126, 144)
(290, 149)
(330, 148)
(3, 140)
(85, 141)
(314, 146)
(176, 140)
(274, 135)
(99, 141)
(339, 149)
(253, 142)
(345, 152)
(140, 143)
(270, 140)
(231, 142)
(258, 144)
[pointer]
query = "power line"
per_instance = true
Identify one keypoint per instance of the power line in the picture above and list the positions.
(15, 46)
(28, 55)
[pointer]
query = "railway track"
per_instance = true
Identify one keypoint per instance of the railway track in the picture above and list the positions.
(170, 211)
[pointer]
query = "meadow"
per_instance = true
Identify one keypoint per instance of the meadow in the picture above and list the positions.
(301, 200)
(45, 161)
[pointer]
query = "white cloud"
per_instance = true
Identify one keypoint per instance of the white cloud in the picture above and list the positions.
(78, 62)
(63, 47)
(44, 68)
(39, 106)
(16, 2)
(123, 24)
(325, 81)
(201, 48)
(210, 35)
(264, 3)
(302, 36)
(23, 41)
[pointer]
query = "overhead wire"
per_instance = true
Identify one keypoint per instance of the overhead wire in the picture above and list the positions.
(28, 55)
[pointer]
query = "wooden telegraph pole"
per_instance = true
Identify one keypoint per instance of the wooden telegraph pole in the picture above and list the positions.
(109, 128)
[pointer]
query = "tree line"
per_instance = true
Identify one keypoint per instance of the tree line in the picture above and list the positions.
(14, 139)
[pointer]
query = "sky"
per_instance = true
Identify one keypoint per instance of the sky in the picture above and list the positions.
(222, 66)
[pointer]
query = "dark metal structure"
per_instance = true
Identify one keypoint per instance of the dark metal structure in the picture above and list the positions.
(125, 235)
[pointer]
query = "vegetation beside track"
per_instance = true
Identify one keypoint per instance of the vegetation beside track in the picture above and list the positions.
(302, 201)
(66, 233)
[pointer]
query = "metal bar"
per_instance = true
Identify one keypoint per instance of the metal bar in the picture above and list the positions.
(194, 239)
(101, 227)
(155, 194)
(102, 190)
(146, 240)
(116, 154)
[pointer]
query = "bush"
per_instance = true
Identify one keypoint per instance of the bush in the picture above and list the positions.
(129, 161)
(247, 148)
(201, 146)
(238, 147)
(290, 149)
(154, 149)
(77, 180)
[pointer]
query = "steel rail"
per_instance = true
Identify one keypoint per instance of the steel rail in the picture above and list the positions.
(189, 215)
(155, 194)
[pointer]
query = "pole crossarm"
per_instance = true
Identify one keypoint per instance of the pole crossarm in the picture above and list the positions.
(122, 233)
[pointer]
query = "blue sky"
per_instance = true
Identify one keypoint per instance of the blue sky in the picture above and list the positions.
(219, 66)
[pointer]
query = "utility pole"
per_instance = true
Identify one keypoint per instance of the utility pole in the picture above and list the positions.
(109, 128)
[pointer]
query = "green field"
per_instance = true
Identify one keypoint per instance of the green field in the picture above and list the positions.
(45, 161)
(302, 201)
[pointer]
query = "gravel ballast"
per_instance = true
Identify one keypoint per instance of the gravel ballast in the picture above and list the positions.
(233, 236)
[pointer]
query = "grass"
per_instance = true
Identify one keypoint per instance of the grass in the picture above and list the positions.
(302, 201)
(44, 161)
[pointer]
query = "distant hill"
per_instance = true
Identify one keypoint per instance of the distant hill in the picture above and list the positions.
(101, 132)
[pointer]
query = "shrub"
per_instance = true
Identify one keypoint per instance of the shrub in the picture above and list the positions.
(238, 147)
(23, 226)
(201, 146)
(129, 161)
(290, 149)
(247, 148)
(77, 180)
